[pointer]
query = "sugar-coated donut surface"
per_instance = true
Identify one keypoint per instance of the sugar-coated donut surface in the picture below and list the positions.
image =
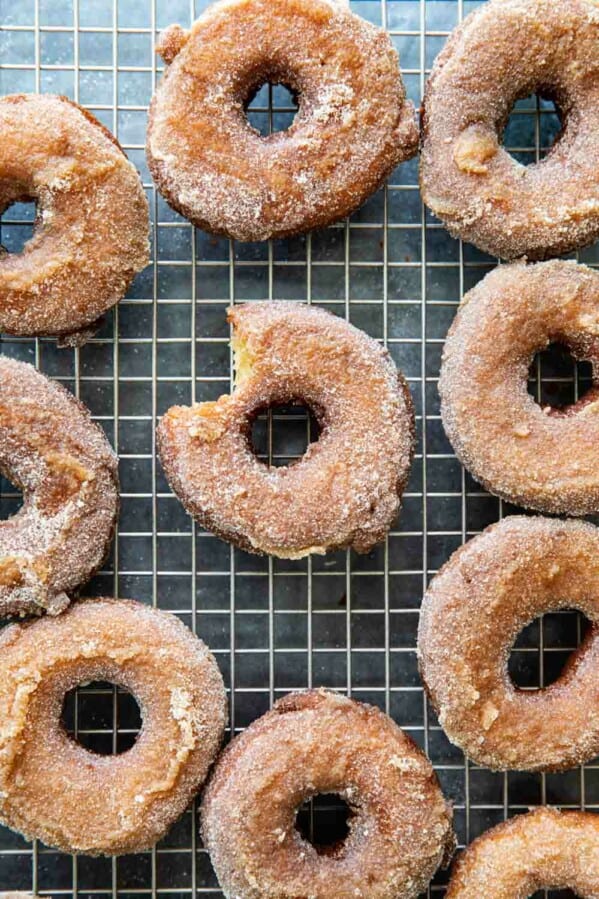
(346, 489)
(544, 849)
(474, 609)
(16, 895)
(353, 126)
(506, 50)
(72, 799)
(318, 742)
(540, 458)
(92, 226)
(61, 460)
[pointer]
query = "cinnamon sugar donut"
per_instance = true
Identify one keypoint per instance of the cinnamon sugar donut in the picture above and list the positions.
(544, 849)
(318, 742)
(92, 226)
(354, 124)
(111, 804)
(346, 489)
(61, 460)
(504, 51)
(541, 458)
(16, 895)
(487, 593)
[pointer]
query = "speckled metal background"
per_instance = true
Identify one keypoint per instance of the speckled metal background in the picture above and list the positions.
(344, 621)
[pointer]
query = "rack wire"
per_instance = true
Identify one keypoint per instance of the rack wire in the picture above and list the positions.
(344, 621)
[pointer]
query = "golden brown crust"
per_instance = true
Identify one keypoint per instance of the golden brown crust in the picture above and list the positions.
(320, 742)
(113, 804)
(473, 611)
(540, 458)
(505, 50)
(346, 489)
(545, 849)
(353, 127)
(92, 227)
(63, 463)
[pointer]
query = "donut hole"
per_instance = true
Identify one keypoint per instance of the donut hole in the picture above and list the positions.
(281, 434)
(555, 894)
(557, 379)
(11, 499)
(102, 718)
(533, 128)
(271, 107)
(324, 821)
(543, 648)
(17, 224)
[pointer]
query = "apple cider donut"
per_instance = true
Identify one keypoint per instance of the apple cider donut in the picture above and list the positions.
(92, 226)
(120, 803)
(541, 458)
(504, 51)
(16, 895)
(314, 743)
(354, 124)
(61, 460)
(544, 849)
(475, 607)
(346, 489)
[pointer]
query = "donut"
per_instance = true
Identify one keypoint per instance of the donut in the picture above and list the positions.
(504, 51)
(354, 124)
(111, 804)
(12, 894)
(540, 458)
(474, 609)
(400, 828)
(543, 849)
(346, 489)
(16, 895)
(92, 225)
(60, 459)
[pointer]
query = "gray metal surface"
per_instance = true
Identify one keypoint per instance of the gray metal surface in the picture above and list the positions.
(343, 621)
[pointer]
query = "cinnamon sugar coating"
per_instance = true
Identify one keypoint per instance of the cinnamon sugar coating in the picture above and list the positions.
(541, 458)
(346, 489)
(61, 460)
(543, 849)
(354, 124)
(92, 226)
(504, 51)
(475, 607)
(112, 804)
(318, 742)
(16, 895)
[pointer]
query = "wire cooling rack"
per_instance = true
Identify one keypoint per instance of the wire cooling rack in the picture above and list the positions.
(344, 621)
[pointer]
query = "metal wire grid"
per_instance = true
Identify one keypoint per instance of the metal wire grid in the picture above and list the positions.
(345, 622)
